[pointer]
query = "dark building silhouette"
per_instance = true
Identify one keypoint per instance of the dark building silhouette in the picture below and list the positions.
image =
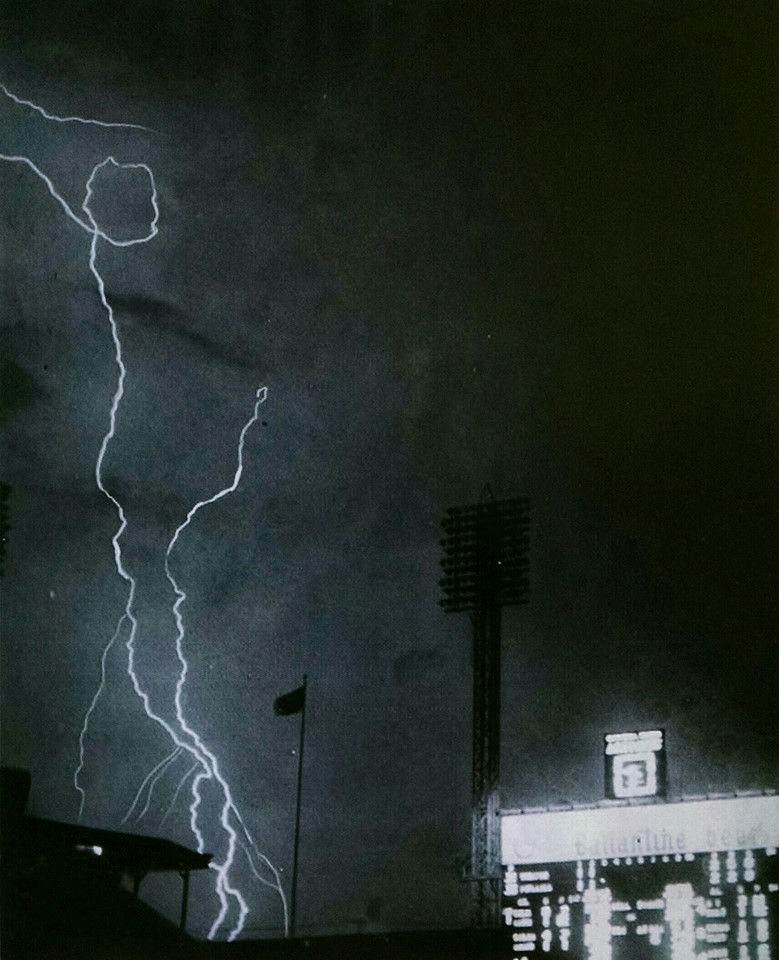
(61, 885)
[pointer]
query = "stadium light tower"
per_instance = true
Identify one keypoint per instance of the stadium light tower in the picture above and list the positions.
(485, 569)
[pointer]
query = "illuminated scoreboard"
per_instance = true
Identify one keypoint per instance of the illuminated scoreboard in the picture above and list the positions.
(690, 880)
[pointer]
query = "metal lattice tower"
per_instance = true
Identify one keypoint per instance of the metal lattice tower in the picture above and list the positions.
(485, 569)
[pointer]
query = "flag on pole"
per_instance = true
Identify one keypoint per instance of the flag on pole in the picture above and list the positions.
(290, 703)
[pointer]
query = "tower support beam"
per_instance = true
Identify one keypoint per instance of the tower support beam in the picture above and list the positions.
(485, 563)
(485, 825)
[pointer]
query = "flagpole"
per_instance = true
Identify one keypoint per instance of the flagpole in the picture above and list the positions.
(294, 892)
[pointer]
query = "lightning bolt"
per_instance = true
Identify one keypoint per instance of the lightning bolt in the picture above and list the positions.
(83, 120)
(88, 717)
(151, 780)
(177, 791)
(90, 226)
(229, 810)
(183, 736)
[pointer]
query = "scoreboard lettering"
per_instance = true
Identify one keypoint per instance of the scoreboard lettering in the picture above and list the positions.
(697, 880)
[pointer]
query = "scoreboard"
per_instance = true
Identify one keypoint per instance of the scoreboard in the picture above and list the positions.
(632, 880)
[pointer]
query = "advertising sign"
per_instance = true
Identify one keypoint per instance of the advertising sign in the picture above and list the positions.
(635, 764)
(696, 826)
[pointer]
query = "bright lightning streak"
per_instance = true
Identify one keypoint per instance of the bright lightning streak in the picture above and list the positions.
(91, 227)
(98, 233)
(51, 116)
(60, 200)
(185, 738)
(229, 809)
(90, 711)
(178, 790)
(153, 776)
(155, 780)
(197, 799)
(93, 230)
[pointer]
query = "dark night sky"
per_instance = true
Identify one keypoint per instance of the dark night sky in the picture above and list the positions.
(525, 244)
